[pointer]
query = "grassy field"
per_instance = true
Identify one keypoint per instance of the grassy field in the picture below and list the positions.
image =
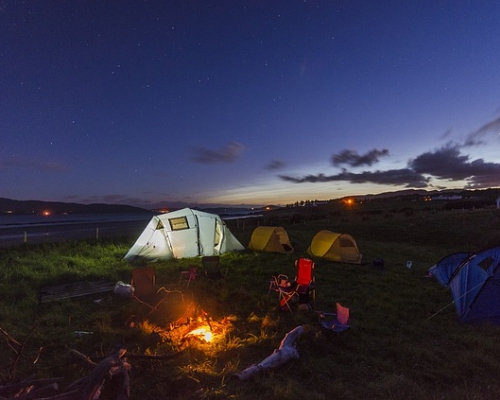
(404, 342)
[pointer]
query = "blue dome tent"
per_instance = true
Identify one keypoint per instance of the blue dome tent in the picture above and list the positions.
(474, 282)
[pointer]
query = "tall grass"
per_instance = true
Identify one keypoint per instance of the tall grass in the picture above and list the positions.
(404, 341)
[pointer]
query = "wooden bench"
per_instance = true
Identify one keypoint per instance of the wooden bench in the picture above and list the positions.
(77, 289)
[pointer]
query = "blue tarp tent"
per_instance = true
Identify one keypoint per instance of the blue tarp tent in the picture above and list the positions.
(474, 281)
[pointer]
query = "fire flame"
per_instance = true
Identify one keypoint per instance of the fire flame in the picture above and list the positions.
(203, 333)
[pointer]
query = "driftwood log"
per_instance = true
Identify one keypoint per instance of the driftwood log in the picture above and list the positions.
(86, 388)
(30, 389)
(287, 351)
(89, 387)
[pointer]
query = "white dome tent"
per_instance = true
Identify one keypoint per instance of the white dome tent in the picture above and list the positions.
(181, 234)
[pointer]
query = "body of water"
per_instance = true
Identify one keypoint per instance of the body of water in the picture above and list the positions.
(17, 229)
(13, 221)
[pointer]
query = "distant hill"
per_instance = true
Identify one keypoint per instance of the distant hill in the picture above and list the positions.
(490, 193)
(37, 207)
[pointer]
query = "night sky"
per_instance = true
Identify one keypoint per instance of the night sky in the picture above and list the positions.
(195, 102)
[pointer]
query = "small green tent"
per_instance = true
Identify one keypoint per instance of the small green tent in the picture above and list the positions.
(333, 246)
(270, 238)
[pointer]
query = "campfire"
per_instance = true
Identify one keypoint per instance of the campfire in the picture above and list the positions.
(194, 328)
(204, 333)
(205, 330)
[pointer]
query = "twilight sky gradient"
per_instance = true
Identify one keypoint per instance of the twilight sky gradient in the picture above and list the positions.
(156, 103)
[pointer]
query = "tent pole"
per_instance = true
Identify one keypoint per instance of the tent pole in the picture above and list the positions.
(453, 302)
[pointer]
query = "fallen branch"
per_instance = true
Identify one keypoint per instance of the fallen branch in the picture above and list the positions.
(27, 388)
(10, 340)
(82, 357)
(19, 351)
(90, 386)
(286, 352)
(39, 393)
(86, 388)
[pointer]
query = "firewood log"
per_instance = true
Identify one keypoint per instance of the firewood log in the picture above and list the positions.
(287, 351)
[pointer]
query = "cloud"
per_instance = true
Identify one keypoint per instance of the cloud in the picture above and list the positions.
(404, 176)
(448, 163)
(275, 165)
(106, 198)
(46, 166)
(446, 134)
(475, 138)
(352, 158)
(143, 202)
(445, 162)
(227, 154)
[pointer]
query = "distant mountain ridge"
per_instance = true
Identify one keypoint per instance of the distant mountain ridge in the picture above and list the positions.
(465, 193)
(38, 207)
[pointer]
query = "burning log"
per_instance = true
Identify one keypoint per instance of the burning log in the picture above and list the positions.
(286, 352)
(201, 329)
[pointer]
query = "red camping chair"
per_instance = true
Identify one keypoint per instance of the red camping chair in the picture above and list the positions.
(341, 321)
(302, 287)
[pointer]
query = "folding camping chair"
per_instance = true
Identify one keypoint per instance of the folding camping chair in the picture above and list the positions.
(341, 321)
(189, 275)
(301, 288)
(278, 282)
(212, 269)
(144, 284)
